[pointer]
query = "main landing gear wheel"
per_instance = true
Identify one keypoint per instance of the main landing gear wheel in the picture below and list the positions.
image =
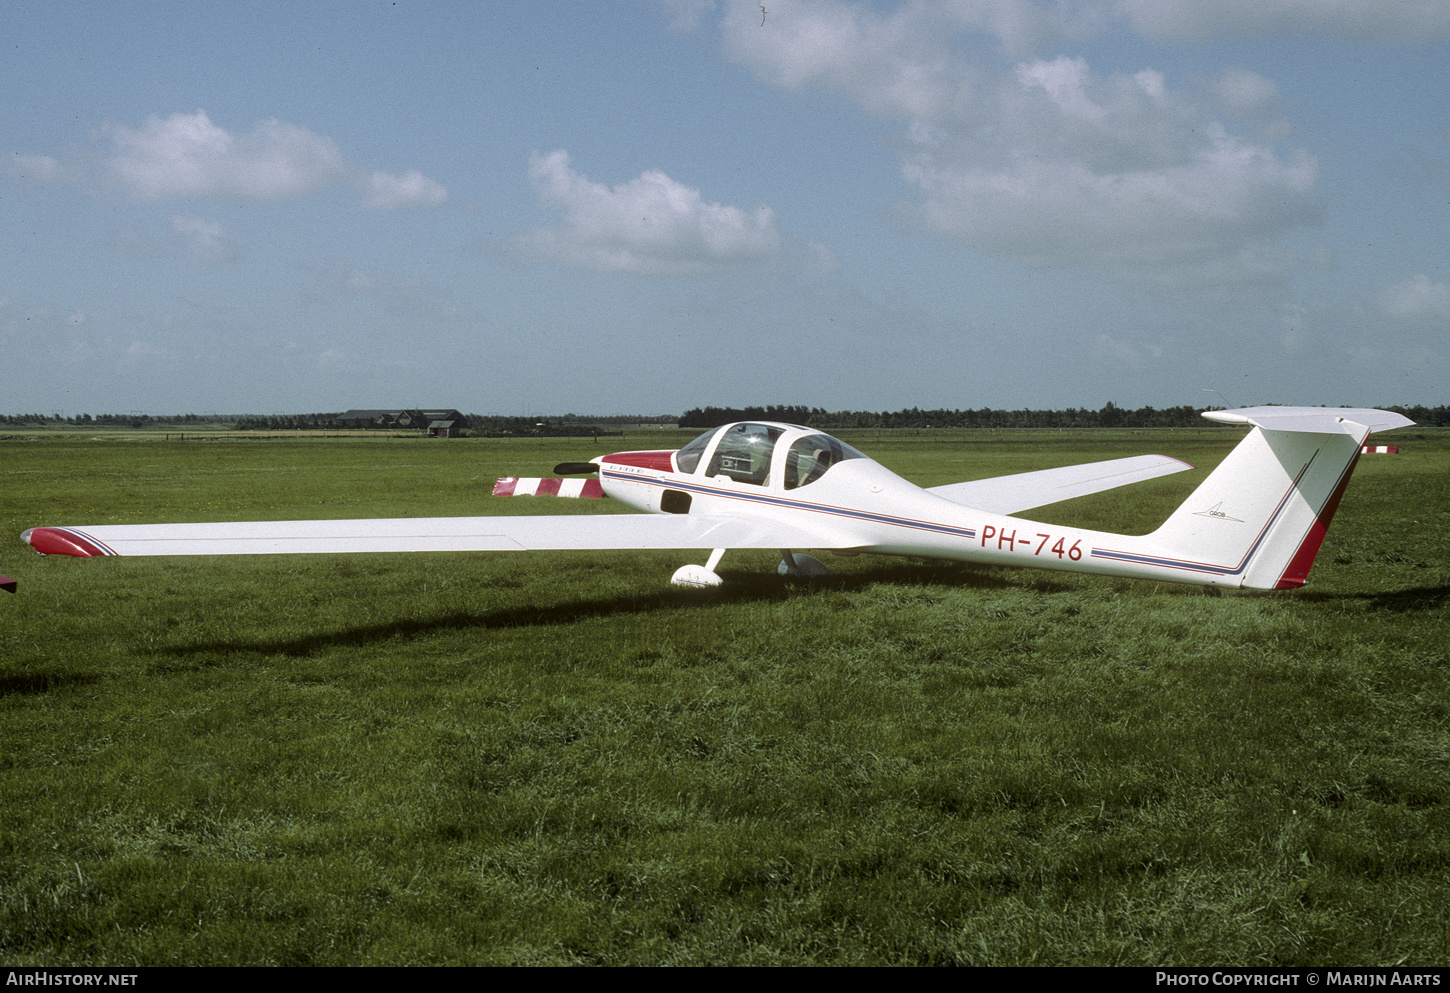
(797, 564)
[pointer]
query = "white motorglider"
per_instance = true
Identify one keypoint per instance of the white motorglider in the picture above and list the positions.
(1256, 522)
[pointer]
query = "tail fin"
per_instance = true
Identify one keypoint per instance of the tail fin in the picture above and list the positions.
(1259, 518)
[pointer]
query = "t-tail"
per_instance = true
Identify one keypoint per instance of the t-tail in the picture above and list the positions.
(1259, 518)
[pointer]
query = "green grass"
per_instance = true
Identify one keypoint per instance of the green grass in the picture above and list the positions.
(557, 758)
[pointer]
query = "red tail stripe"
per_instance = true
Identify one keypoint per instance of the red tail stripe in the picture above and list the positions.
(1297, 574)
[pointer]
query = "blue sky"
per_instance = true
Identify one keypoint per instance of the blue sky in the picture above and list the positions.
(649, 206)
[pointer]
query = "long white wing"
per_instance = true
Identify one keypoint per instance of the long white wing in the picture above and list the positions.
(427, 534)
(1026, 490)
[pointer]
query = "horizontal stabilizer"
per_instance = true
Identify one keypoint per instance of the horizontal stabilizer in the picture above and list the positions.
(1024, 491)
(1313, 420)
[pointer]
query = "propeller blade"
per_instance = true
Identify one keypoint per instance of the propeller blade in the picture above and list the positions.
(574, 468)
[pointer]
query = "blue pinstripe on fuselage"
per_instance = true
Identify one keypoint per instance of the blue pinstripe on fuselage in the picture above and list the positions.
(770, 500)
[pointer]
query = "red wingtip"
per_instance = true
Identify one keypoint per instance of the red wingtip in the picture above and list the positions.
(64, 541)
(7, 584)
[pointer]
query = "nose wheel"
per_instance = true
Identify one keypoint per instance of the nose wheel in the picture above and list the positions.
(795, 564)
(700, 575)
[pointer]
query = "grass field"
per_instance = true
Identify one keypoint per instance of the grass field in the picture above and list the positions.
(558, 758)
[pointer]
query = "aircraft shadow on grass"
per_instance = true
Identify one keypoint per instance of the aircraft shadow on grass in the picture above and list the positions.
(749, 589)
(40, 681)
(1415, 599)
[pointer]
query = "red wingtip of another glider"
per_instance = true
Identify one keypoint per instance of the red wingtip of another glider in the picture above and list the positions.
(7, 584)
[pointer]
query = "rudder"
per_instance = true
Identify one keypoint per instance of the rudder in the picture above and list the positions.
(1260, 517)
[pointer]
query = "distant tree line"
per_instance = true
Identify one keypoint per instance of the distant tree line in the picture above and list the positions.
(478, 425)
(555, 426)
(670, 419)
(499, 425)
(1109, 416)
(118, 420)
(287, 422)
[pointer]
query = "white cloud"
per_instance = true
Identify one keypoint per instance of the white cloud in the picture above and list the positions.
(1245, 91)
(1417, 298)
(897, 63)
(651, 224)
(1049, 161)
(205, 239)
(384, 191)
(1117, 204)
(186, 155)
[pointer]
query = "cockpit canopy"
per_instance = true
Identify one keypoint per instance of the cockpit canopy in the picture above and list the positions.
(764, 453)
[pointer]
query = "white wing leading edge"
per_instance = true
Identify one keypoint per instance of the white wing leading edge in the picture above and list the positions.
(1024, 491)
(427, 534)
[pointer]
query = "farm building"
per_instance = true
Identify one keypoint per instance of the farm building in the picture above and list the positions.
(435, 423)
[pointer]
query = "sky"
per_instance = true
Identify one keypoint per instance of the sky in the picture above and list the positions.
(644, 206)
